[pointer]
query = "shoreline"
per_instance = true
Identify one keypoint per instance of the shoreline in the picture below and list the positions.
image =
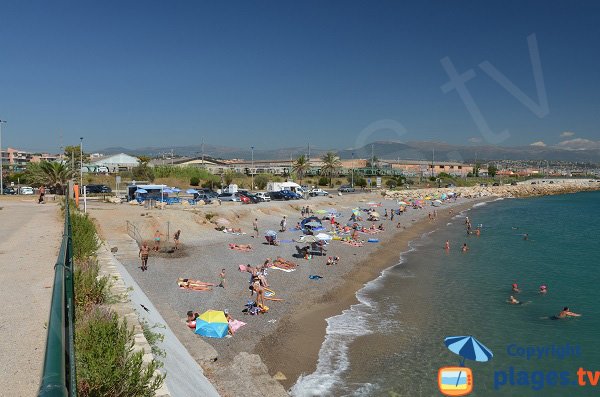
(293, 348)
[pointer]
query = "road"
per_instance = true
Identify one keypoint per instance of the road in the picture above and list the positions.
(30, 236)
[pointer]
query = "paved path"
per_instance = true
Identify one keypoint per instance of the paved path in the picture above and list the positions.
(184, 376)
(30, 236)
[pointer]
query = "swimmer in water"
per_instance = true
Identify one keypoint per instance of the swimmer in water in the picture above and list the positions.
(515, 287)
(565, 312)
(525, 236)
(465, 248)
(512, 300)
(447, 245)
(543, 289)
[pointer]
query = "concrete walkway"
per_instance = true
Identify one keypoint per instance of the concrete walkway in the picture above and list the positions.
(184, 376)
(30, 236)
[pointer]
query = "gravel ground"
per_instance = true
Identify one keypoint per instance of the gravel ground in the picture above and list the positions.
(31, 235)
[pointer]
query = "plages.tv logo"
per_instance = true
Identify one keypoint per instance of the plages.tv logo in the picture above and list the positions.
(458, 381)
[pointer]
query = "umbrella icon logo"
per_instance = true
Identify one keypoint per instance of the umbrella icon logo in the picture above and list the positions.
(458, 381)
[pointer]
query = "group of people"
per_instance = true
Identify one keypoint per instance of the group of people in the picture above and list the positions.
(543, 289)
(144, 252)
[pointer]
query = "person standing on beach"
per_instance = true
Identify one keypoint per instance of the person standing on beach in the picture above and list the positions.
(144, 252)
(176, 238)
(157, 240)
(255, 226)
(283, 224)
(392, 215)
(222, 278)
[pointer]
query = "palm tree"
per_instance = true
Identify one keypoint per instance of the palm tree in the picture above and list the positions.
(331, 162)
(51, 174)
(301, 165)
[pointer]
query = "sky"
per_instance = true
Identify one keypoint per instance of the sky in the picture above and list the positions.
(273, 74)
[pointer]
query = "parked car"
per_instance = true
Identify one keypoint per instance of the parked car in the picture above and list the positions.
(513, 183)
(97, 189)
(204, 197)
(534, 183)
(346, 188)
(229, 197)
(26, 190)
(483, 184)
(263, 196)
(9, 190)
(277, 195)
(495, 184)
(318, 192)
(289, 195)
(253, 197)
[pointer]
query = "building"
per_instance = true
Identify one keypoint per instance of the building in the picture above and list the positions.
(113, 163)
(17, 160)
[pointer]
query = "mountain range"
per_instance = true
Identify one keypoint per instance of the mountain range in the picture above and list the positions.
(387, 150)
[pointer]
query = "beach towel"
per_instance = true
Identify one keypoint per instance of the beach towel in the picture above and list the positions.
(234, 233)
(243, 268)
(283, 270)
(236, 324)
(314, 277)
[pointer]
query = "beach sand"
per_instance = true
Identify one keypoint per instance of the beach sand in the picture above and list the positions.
(288, 338)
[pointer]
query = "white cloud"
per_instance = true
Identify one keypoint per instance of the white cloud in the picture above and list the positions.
(538, 143)
(475, 139)
(579, 144)
(566, 134)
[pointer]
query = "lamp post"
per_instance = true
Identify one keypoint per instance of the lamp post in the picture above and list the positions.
(81, 162)
(352, 183)
(1, 160)
(252, 169)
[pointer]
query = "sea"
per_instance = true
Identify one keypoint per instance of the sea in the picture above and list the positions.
(392, 342)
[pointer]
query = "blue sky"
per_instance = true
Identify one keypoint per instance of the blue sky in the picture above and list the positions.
(284, 73)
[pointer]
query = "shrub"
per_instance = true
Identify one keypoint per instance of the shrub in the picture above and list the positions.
(90, 289)
(260, 181)
(323, 181)
(107, 366)
(361, 182)
(85, 242)
(194, 181)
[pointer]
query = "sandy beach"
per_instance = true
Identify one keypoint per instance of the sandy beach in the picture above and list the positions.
(289, 336)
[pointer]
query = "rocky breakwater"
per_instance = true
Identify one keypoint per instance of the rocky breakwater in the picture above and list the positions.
(526, 189)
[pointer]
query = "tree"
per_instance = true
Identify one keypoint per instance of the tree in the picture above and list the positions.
(373, 162)
(300, 166)
(73, 156)
(331, 163)
(492, 170)
(228, 177)
(51, 174)
(476, 169)
(360, 182)
(261, 181)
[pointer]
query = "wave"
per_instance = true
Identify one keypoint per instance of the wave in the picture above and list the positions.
(479, 204)
(341, 331)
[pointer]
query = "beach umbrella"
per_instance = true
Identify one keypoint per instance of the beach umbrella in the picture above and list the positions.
(443, 197)
(212, 324)
(468, 348)
(176, 190)
(323, 236)
(141, 191)
(167, 190)
(402, 203)
(427, 197)
(271, 233)
(436, 203)
(375, 214)
(313, 224)
(191, 191)
(307, 239)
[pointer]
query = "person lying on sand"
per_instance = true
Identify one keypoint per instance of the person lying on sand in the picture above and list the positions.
(240, 247)
(233, 230)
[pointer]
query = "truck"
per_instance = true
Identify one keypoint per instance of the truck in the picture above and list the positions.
(290, 186)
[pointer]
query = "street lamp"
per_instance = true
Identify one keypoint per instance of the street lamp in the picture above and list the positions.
(1, 160)
(252, 169)
(81, 162)
(352, 183)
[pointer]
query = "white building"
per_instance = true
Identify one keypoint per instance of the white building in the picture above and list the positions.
(114, 163)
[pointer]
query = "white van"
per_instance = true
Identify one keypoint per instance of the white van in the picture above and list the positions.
(263, 196)
(26, 190)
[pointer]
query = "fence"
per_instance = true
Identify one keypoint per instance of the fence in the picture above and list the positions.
(58, 374)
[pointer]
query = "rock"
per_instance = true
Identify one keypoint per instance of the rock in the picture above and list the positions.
(279, 376)
(114, 249)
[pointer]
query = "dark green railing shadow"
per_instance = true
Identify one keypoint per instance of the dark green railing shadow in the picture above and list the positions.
(58, 374)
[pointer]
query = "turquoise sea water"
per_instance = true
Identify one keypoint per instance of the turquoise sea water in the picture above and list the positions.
(392, 344)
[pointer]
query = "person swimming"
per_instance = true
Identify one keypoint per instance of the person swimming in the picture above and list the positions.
(565, 312)
(515, 287)
(543, 289)
(513, 301)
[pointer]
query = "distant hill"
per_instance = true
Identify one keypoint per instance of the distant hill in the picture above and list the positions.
(382, 150)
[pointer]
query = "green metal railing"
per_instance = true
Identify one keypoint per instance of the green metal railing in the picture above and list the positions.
(58, 374)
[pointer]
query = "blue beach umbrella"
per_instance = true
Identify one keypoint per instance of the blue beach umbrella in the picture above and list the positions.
(271, 233)
(176, 190)
(141, 191)
(468, 348)
(191, 191)
(167, 190)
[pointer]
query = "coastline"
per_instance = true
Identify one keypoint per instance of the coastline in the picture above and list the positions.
(293, 348)
(291, 340)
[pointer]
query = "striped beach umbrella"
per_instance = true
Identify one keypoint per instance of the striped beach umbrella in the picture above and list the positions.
(468, 348)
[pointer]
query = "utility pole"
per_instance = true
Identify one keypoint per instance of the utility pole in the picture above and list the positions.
(252, 169)
(432, 160)
(202, 152)
(1, 160)
(352, 183)
(81, 161)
